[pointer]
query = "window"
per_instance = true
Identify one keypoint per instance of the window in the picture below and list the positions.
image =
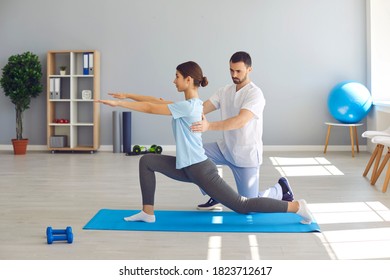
(378, 50)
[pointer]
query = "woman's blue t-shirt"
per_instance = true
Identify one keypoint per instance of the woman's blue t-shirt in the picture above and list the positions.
(189, 148)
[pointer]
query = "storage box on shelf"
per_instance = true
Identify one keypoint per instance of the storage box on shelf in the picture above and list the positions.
(72, 114)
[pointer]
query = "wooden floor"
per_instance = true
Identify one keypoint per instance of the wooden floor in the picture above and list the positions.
(42, 189)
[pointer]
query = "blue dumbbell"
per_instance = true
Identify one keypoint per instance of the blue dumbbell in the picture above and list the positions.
(59, 235)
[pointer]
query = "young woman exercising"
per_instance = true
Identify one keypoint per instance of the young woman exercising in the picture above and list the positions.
(191, 163)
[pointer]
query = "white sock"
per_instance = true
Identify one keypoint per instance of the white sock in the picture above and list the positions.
(304, 212)
(141, 217)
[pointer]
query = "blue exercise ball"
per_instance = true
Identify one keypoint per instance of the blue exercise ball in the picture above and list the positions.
(349, 102)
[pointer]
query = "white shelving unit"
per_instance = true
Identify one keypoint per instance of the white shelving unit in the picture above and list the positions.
(73, 122)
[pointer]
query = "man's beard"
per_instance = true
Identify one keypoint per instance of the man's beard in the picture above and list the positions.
(237, 81)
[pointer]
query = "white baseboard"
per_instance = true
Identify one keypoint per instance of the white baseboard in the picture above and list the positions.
(110, 148)
(310, 148)
(29, 148)
(172, 148)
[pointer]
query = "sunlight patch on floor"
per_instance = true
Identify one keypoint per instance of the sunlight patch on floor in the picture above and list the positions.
(350, 212)
(351, 244)
(312, 166)
(254, 247)
(214, 250)
(354, 244)
(358, 244)
(299, 161)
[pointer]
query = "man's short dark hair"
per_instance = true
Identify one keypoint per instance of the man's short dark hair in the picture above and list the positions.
(242, 57)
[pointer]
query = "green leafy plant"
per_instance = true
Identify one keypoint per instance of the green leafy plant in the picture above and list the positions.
(22, 80)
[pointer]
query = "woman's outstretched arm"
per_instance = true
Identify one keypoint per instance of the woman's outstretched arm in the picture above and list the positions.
(145, 107)
(138, 97)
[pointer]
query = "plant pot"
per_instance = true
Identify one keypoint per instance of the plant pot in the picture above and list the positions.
(62, 72)
(20, 146)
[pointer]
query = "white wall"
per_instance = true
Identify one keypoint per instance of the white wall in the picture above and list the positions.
(300, 50)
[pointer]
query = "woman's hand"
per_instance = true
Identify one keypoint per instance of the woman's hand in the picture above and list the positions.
(200, 126)
(118, 95)
(112, 103)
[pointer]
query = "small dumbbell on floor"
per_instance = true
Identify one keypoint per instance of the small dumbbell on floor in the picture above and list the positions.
(59, 235)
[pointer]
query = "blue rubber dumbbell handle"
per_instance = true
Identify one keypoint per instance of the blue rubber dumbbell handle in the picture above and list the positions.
(59, 235)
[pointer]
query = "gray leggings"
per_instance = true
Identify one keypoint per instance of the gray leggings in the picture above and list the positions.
(205, 175)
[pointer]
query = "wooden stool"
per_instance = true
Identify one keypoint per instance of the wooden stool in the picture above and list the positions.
(384, 141)
(352, 132)
(370, 134)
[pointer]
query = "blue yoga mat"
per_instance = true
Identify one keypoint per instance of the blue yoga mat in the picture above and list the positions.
(197, 221)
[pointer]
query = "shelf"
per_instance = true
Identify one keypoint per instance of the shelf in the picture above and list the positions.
(65, 102)
(83, 76)
(90, 149)
(83, 124)
(68, 100)
(59, 76)
(59, 124)
(71, 76)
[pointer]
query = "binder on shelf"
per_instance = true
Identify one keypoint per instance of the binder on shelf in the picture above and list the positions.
(52, 95)
(90, 63)
(85, 64)
(57, 88)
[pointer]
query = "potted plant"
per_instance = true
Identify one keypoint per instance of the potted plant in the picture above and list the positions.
(21, 80)
(62, 70)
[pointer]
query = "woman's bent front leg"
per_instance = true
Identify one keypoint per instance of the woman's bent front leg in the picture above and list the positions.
(151, 163)
(148, 165)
